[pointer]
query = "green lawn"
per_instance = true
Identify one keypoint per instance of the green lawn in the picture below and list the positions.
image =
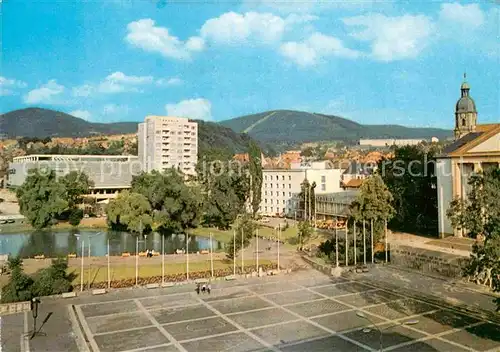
(122, 272)
(226, 236)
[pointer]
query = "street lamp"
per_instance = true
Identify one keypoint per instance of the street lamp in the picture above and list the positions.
(381, 331)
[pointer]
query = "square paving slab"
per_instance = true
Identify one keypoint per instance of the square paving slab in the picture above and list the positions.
(319, 281)
(342, 289)
(345, 321)
(273, 287)
(129, 340)
(401, 309)
(289, 333)
(172, 315)
(326, 344)
(483, 337)
(441, 321)
(311, 309)
(238, 342)
(93, 310)
(116, 322)
(369, 298)
(251, 320)
(293, 297)
(225, 293)
(169, 301)
(391, 336)
(199, 328)
(432, 345)
(239, 305)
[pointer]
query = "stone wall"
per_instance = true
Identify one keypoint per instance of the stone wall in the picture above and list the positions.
(428, 261)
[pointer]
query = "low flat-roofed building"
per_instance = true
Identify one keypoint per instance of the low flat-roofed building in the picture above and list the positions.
(110, 173)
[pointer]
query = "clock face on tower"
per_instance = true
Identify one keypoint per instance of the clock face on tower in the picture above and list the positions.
(465, 112)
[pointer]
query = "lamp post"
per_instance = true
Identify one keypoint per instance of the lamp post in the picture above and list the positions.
(234, 252)
(371, 235)
(211, 256)
(364, 242)
(81, 270)
(381, 331)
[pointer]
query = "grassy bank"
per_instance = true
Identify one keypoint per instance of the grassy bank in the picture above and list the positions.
(123, 272)
(227, 235)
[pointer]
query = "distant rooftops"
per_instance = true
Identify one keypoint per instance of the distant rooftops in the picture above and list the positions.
(82, 158)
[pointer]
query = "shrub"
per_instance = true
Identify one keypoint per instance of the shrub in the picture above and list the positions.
(75, 217)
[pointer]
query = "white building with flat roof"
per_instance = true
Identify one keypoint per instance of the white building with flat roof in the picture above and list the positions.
(280, 185)
(166, 142)
(110, 173)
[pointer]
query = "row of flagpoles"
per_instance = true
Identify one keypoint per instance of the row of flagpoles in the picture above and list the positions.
(242, 253)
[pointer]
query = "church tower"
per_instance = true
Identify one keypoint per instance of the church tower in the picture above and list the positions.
(465, 112)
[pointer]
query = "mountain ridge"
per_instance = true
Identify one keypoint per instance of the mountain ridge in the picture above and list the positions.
(278, 127)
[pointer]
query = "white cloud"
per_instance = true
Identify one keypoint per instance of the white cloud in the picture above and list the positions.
(120, 77)
(200, 109)
(174, 81)
(393, 38)
(46, 93)
(235, 28)
(84, 90)
(83, 114)
(470, 14)
(113, 109)
(8, 86)
(315, 49)
(119, 82)
(144, 34)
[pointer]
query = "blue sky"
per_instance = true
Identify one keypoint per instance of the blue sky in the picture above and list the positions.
(373, 62)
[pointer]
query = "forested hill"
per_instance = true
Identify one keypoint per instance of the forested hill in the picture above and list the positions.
(295, 127)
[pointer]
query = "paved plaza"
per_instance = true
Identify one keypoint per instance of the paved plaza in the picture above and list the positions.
(304, 311)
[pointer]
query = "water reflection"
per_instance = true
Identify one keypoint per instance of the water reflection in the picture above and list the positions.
(54, 244)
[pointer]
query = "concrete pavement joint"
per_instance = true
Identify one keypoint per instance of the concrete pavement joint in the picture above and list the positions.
(241, 328)
(307, 320)
(159, 327)
(80, 339)
(86, 329)
(148, 348)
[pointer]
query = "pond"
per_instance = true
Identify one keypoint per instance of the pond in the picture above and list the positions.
(61, 243)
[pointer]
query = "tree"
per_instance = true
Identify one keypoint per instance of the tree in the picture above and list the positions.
(374, 202)
(19, 286)
(75, 217)
(225, 190)
(175, 206)
(255, 170)
(244, 228)
(479, 216)
(129, 211)
(53, 280)
(77, 184)
(410, 177)
(305, 233)
(41, 198)
(307, 199)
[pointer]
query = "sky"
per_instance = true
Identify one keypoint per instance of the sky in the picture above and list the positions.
(375, 62)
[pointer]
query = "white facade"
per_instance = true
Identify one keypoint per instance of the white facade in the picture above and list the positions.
(280, 185)
(166, 142)
(391, 141)
(445, 194)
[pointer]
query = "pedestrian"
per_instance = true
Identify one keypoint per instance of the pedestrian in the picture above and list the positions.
(209, 288)
(203, 288)
(198, 288)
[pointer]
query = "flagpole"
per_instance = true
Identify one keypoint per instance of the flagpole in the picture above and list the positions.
(88, 284)
(364, 242)
(386, 249)
(336, 245)
(162, 259)
(211, 257)
(279, 235)
(242, 264)
(81, 270)
(371, 235)
(187, 256)
(109, 278)
(257, 251)
(234, 252)
(346, 243)
(137, 260)
(355, 252)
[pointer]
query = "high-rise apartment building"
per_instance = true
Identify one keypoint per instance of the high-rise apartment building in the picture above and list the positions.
(166, 142)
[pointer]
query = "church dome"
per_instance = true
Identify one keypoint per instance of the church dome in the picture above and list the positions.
(466, 104)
